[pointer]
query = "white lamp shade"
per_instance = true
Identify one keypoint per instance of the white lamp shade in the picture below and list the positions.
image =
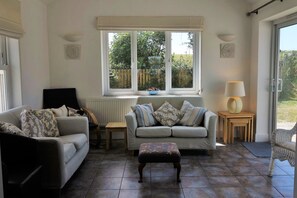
(234, 89)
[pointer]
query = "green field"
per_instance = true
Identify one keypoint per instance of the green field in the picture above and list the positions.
(287, 111)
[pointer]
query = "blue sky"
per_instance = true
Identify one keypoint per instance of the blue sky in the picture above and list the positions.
(288, 38)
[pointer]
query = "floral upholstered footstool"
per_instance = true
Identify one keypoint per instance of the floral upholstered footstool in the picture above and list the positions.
(165, 152)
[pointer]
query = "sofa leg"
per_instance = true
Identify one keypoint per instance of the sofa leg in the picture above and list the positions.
(210, 152)
(51, 193)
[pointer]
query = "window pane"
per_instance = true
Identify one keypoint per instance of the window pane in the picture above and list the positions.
(3, 98)
(182, 59)
(151, 60)
(119, 60)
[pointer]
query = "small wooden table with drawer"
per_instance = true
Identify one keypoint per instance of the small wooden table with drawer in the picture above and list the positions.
(115, 127)
(231, 120)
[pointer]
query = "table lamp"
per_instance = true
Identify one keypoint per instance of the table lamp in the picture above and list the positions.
(234, 90)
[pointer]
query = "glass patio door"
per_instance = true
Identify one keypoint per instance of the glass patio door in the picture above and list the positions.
(284, 105)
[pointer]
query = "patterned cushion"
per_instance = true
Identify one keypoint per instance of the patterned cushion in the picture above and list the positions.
(144, 115)
(193, 116)
(12, 129)
(39, 123)
(74, 112)
(167, 115)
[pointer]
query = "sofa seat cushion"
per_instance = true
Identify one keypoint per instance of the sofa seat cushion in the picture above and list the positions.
(288, 145)
(188, 132)
(79, 140)
(69, 151)
(156, 131)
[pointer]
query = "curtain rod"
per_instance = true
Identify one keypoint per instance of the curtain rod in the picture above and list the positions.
(255, 11)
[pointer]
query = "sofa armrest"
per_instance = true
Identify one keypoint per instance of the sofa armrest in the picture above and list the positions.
(131, 123)
(210, 123)
(73, 125)
(51, 154)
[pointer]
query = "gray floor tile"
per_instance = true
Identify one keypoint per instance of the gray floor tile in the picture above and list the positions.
(232, 171)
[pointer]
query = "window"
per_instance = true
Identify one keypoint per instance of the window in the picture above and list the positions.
(3, 73)
(136, 60)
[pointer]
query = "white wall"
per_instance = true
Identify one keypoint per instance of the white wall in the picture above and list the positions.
(34, 52)
(78, 16)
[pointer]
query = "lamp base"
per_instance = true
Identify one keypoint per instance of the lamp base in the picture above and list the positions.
(234, 105)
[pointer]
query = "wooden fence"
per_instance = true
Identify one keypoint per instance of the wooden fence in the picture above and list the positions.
(151, 77)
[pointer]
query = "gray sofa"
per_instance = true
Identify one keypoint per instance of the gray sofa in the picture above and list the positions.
(184, 136)
(60, 156)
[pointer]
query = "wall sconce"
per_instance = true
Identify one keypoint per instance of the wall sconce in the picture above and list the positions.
(234, 90)
(72, 37)
(226, 37)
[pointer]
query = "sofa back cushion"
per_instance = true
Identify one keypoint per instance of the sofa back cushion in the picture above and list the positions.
(13, 115)
(176, 101)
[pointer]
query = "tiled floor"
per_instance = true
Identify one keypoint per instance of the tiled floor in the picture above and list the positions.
(232, 171)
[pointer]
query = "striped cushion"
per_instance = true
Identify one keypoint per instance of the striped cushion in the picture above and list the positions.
(144, 115)
(193, 116)
(186, 106)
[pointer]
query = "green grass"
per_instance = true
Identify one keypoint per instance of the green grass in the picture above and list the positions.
(287, 111)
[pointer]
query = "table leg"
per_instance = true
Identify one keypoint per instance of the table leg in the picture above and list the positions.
(252, 130)
(219, 128)
(225, 132)
(231, 132)
(107, 134)
(125, 138)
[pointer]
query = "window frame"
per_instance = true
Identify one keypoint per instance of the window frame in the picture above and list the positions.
(4, 66)
(168, 65)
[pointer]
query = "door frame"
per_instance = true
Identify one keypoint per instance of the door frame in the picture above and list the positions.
(274, 84)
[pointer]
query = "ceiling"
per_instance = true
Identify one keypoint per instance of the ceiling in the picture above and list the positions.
(249, 1)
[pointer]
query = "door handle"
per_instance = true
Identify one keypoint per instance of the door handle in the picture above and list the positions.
(280, 85)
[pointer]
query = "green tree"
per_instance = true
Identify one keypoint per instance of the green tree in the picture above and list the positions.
(288, 73)
(151, 58)
(120, 51)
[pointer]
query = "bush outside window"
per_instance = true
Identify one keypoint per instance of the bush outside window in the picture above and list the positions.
(137, 60)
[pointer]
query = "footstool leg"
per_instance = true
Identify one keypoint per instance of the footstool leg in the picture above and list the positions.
(140, 168)
(177, 165)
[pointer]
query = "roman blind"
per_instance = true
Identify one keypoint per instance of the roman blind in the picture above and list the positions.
(181, 23)
(10, 18)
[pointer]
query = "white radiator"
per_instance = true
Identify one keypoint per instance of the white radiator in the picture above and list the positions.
(110, 109)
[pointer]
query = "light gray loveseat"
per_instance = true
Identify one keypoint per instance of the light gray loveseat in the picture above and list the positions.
(60, 156)
(186, 137)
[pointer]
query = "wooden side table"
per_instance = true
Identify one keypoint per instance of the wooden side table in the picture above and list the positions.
(231, 120)
(115, 127)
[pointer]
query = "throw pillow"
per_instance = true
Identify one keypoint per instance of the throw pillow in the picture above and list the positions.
(167, 114)
(74, 112)
(60, 112)
(39, 123)
(144, 115)
(31, 124)
(11, 128)
(186, 105)
(193, 116)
